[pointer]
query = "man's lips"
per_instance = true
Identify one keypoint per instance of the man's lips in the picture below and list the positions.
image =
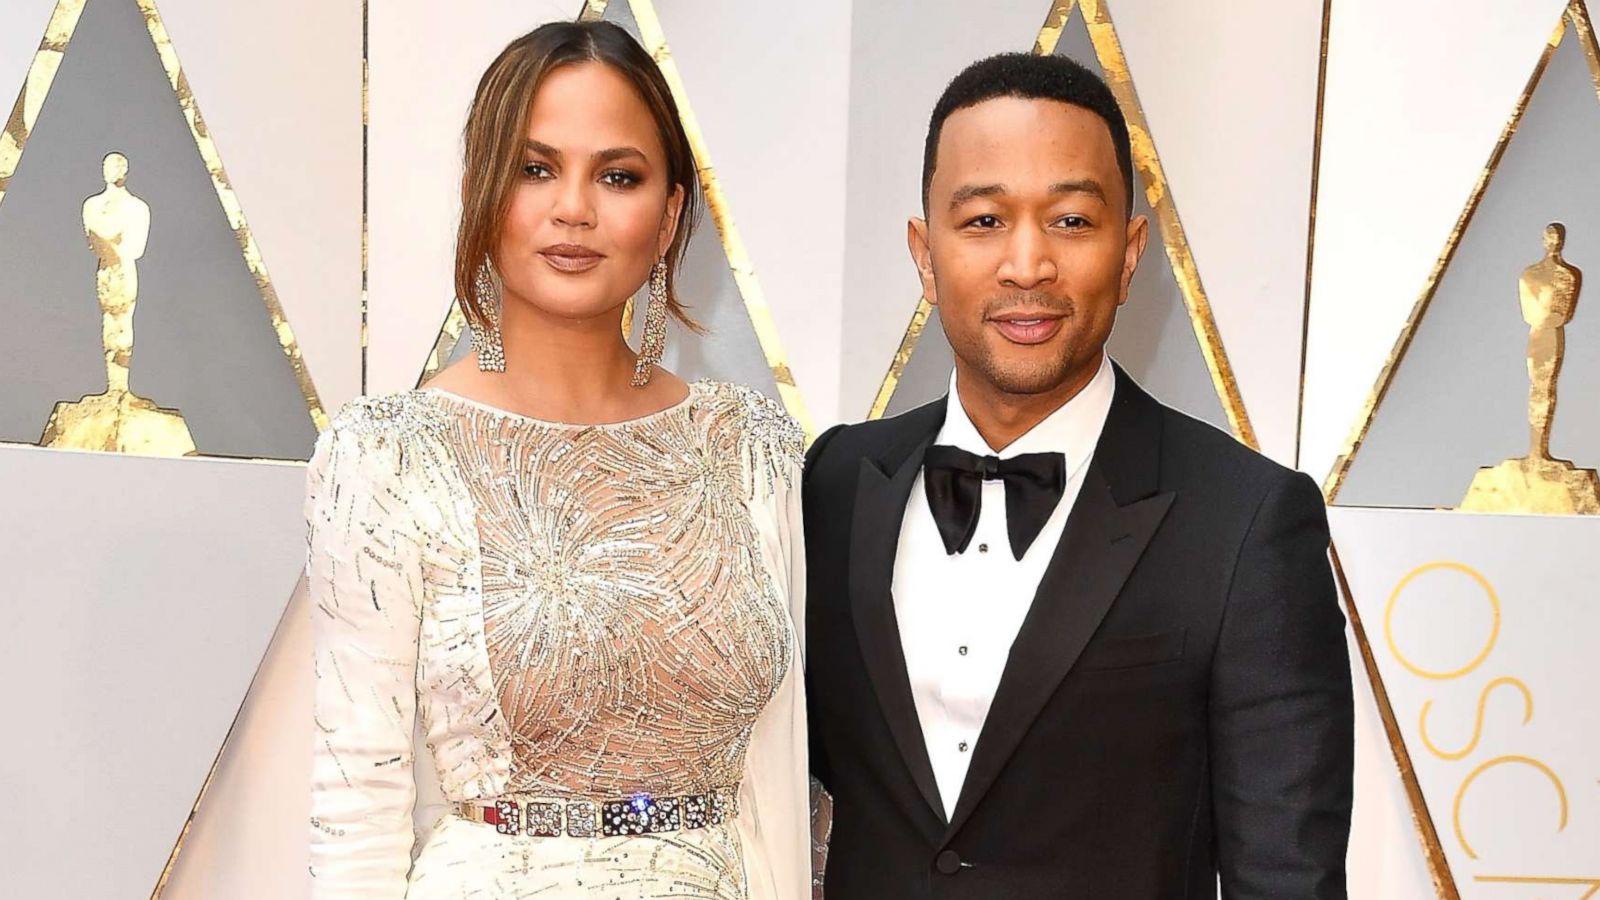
(571, 257)
(1028, 328)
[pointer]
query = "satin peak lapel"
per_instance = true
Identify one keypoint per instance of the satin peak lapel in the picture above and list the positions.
(875, 536)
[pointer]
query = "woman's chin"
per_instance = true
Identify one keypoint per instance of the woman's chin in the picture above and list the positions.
(573, 306)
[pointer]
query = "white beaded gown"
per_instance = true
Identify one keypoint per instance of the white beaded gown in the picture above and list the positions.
(594, 632)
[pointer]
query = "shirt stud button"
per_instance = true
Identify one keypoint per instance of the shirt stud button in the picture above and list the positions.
(983, 548)
(962, 650)
(962, 746)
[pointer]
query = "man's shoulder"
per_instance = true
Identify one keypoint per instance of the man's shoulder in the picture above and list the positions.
(1200, 456)
(841, 448)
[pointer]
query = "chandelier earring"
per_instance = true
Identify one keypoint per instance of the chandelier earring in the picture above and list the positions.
(486, 340)
(655, 327)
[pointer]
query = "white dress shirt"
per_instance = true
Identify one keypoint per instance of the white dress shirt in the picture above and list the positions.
(959, 614)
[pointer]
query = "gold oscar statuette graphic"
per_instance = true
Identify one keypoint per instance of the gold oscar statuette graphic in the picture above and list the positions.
(1539, 483)
(117, 224)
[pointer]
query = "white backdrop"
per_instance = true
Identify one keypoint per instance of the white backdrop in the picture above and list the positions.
(208, 549)
(1417, 92)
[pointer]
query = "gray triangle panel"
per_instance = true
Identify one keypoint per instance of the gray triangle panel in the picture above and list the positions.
(204, 341)
(1459, 398)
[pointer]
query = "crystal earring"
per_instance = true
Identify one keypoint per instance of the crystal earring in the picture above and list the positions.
(486, 333)
(655, 327)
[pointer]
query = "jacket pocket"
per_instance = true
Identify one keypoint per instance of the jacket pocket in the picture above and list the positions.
(1137, 650)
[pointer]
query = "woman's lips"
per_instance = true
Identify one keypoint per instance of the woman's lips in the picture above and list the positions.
(1024, 330)
(571, 258)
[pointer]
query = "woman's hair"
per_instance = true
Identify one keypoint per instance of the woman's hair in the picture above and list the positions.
(497, 127)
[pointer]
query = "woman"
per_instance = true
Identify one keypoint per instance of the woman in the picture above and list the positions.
(579, 575)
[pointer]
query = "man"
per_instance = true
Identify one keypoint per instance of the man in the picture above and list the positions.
(1064, 641)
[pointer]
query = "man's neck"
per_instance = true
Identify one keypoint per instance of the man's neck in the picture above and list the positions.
(1001, 417)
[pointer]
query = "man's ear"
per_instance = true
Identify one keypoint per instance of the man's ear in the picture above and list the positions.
(922, 257)
(669, 221)
(1138, 236)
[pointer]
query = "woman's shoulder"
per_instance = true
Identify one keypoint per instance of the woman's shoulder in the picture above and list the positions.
(382, 425)
(379, 445)
(399, 414)
(755, 419)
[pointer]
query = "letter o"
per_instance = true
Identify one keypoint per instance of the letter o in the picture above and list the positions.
(1394, 598)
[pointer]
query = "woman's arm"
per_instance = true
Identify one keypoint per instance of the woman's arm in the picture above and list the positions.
(365, 581)
(774, 816)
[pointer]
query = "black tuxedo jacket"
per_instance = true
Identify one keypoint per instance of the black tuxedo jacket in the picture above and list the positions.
(1176, 705)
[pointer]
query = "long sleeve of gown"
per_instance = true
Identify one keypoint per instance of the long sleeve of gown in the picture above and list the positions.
(774, 815)
(365, 581)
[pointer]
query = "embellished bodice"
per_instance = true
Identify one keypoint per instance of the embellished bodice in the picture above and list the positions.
(632, 629)
(571, 612)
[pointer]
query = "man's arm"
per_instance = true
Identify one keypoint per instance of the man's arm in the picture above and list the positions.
(1282, 732)
(814, 519)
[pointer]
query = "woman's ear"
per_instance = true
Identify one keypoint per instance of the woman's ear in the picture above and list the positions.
(669, 220)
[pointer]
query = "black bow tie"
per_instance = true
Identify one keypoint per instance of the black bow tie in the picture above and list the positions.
(954, 479)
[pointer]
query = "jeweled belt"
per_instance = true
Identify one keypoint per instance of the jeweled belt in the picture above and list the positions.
(639, 814)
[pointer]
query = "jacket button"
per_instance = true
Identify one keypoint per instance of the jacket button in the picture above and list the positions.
(948, 862)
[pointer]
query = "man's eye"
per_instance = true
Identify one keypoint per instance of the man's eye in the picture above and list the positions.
(984, 222)
(1075, 221)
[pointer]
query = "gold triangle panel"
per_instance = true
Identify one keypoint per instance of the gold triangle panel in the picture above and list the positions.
(112, 188)
(1465, 412)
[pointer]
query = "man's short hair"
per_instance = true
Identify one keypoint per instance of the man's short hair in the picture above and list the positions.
(1029, 77)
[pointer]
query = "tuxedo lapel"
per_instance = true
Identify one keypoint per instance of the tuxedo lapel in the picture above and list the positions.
(1111, 523)
(882, 489)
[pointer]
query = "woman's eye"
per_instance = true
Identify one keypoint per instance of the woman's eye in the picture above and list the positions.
(536, 170)
(619, 178)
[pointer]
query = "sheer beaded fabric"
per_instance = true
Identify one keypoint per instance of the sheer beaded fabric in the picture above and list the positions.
(566, 615)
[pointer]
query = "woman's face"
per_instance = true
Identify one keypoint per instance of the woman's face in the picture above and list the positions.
(593, 209)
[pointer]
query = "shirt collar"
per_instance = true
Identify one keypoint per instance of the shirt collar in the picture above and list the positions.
(1073, 429)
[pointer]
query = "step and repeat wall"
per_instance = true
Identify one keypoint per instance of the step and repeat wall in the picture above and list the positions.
(220, 222)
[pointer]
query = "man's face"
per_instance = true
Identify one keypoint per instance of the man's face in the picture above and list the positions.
(1027, 249)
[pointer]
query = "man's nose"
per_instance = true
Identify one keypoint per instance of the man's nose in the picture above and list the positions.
(1028, 262)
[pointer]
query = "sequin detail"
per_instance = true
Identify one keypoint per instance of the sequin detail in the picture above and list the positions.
(570, 612)
(391, 416)
(632, 630)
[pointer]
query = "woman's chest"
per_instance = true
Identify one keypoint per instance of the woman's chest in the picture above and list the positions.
(619, 571)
